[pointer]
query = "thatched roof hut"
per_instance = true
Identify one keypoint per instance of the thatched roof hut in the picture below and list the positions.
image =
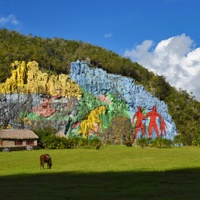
(17, 138)
(17, 134)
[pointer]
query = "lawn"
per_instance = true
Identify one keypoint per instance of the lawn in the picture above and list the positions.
(114, 172)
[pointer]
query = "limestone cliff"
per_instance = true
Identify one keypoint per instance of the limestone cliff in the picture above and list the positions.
(88, 102)
(28, 79)
(33, 99)
(97, 82)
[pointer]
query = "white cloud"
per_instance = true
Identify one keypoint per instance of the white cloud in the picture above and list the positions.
(175, 58)
(108, 35)
(11, 19)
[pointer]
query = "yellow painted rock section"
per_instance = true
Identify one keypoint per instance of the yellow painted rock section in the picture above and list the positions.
(93, 119)
(28, 79)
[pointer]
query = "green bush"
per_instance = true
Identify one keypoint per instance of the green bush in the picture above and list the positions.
(161, 142)
(143, 142)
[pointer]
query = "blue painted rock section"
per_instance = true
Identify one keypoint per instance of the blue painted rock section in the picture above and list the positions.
(97, 82)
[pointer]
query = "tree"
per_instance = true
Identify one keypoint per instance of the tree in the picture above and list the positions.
(160, 87)
(119, 131)
(178, 140)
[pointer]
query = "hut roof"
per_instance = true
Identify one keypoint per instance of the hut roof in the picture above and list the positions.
(17, 134)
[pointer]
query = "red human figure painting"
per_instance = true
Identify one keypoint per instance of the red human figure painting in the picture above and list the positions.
(139, 125)
(153, 116)
(163, 127)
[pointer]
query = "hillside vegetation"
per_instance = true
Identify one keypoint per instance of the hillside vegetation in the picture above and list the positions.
(54, 56)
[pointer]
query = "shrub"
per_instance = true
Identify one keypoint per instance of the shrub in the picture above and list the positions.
(143, 142)
(161, 142)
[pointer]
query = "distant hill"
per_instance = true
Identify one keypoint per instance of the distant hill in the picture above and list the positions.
(54, 56)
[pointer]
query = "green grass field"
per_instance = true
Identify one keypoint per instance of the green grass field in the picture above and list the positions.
(114, 172)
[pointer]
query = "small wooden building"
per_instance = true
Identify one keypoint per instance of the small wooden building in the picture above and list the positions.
(17, 138)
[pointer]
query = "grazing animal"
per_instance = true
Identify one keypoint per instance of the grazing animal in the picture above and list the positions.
(45, 158)
(98, 146)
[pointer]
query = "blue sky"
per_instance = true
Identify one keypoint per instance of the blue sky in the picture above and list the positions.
(161, 35)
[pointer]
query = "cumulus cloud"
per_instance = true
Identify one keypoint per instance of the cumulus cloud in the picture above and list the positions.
(11, 19)
(175, 58)
(107, 35)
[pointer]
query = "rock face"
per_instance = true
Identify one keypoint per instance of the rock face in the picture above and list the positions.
(97, 82)
(88, 102)
(30, 111)
(28, 79)
(32, 99)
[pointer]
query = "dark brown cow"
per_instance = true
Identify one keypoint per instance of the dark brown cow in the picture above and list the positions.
(45, 158)
(98, 146)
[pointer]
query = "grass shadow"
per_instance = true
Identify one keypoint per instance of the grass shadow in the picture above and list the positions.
(175, 184)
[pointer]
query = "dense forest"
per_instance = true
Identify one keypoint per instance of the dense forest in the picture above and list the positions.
(54, 56)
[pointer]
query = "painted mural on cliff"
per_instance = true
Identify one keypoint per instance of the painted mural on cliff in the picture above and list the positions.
(86, 103)
(156, 121)
(33, 99)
